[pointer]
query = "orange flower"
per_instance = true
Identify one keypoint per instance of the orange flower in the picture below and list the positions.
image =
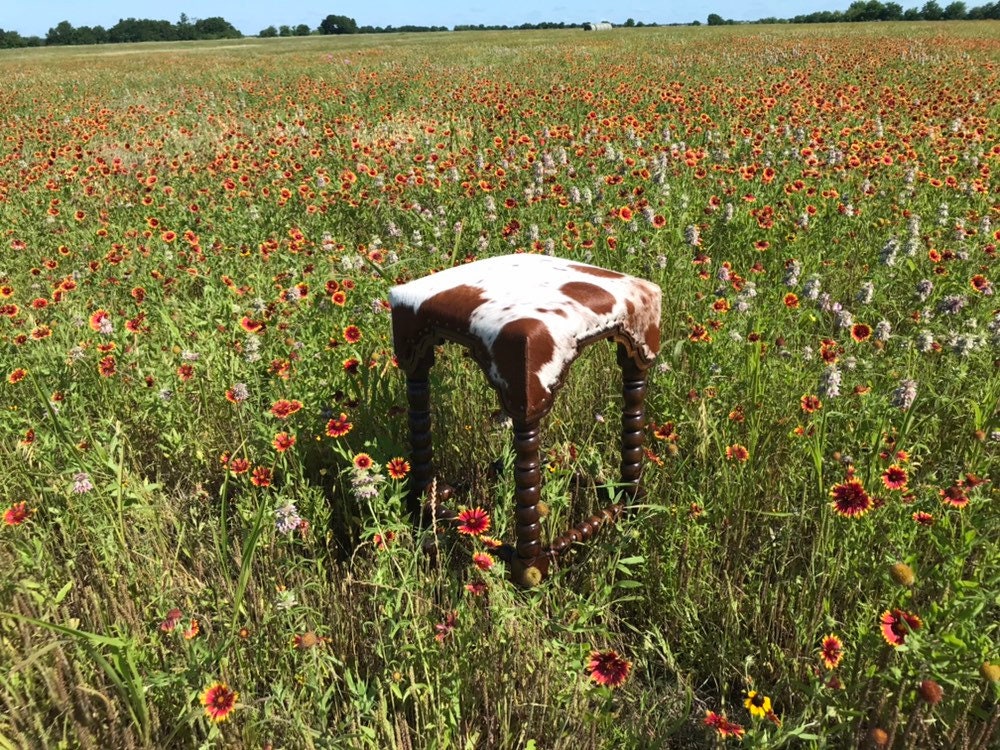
(284, 408)
(608, 668)
(17, 514)
(219, 701)
(810, 403)
(283, 441)
(338, 426)
(737, 452)
(831, 651)
(473, 521)
(398, 468)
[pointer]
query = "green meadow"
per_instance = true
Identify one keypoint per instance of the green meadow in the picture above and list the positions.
(203, 440)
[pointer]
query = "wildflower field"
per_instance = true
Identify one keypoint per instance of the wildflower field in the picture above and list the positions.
(203, 452)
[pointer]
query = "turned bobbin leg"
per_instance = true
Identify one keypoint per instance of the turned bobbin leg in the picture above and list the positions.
(633, 426)
(527, 493)
(418, 395)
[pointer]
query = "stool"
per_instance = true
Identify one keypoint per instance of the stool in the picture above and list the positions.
(524, 318)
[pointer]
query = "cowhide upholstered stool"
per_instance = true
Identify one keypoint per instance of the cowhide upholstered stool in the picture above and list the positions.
(525, 318)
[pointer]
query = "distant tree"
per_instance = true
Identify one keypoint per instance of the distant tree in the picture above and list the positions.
(955, 11)
(912, 14)
(714, 19)
(91, 35)
(268, 33)
(62, 33)
(284, 30)
(185, 29)
(893, 12)
(932, 11)
(988, 11)
(629, 23)
(215, 27)
(338, 25)
(302, 30)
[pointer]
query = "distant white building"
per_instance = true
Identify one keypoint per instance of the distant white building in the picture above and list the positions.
(602, 26)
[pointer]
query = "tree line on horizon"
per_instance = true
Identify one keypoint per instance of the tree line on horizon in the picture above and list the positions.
(873, 10)
(149, 30)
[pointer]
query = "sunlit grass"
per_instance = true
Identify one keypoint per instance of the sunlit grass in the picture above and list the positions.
(198, 237)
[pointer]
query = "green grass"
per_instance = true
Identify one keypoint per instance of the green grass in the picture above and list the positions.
(216, 177)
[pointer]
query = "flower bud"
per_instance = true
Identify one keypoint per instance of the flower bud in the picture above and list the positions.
(902, 574)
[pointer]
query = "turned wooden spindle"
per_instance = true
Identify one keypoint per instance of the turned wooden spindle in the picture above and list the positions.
(527, 492)
(633, 425)
(418, 395)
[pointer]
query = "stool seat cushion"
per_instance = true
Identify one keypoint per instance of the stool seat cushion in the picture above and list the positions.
(525, 318)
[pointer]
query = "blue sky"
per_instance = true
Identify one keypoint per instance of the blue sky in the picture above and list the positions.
(36, 18)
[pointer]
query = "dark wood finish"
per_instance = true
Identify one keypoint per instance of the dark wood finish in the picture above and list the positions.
(527, 493)
(418, 395)
(633, 425)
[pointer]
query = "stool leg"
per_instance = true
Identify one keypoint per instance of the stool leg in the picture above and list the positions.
(418, 395)
(633, 425)
(529, 565)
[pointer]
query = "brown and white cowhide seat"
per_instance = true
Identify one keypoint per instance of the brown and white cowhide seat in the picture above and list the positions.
(525, 318)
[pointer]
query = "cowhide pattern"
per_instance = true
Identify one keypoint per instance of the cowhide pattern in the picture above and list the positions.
(527, 316)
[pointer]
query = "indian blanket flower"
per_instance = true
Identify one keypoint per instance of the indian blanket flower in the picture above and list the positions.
(261, 477)
(861, 332)
(363, 462)
(398, 468)
(283, 441)
(339, 426)
(476, 588)
(445, 627)
(895, 477)
(923, 518)
(737, 452)
(17, 375)
(17, 514)
(810, 403)
(219, 701)
(723, 727)
(171, 620)
(896, 624)
(284, 408)
(757, 704)
(850, 499)
(954, 496)
(831, 651)
(473, 521)
(239, 465)
(608, 668)
(483, 560)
